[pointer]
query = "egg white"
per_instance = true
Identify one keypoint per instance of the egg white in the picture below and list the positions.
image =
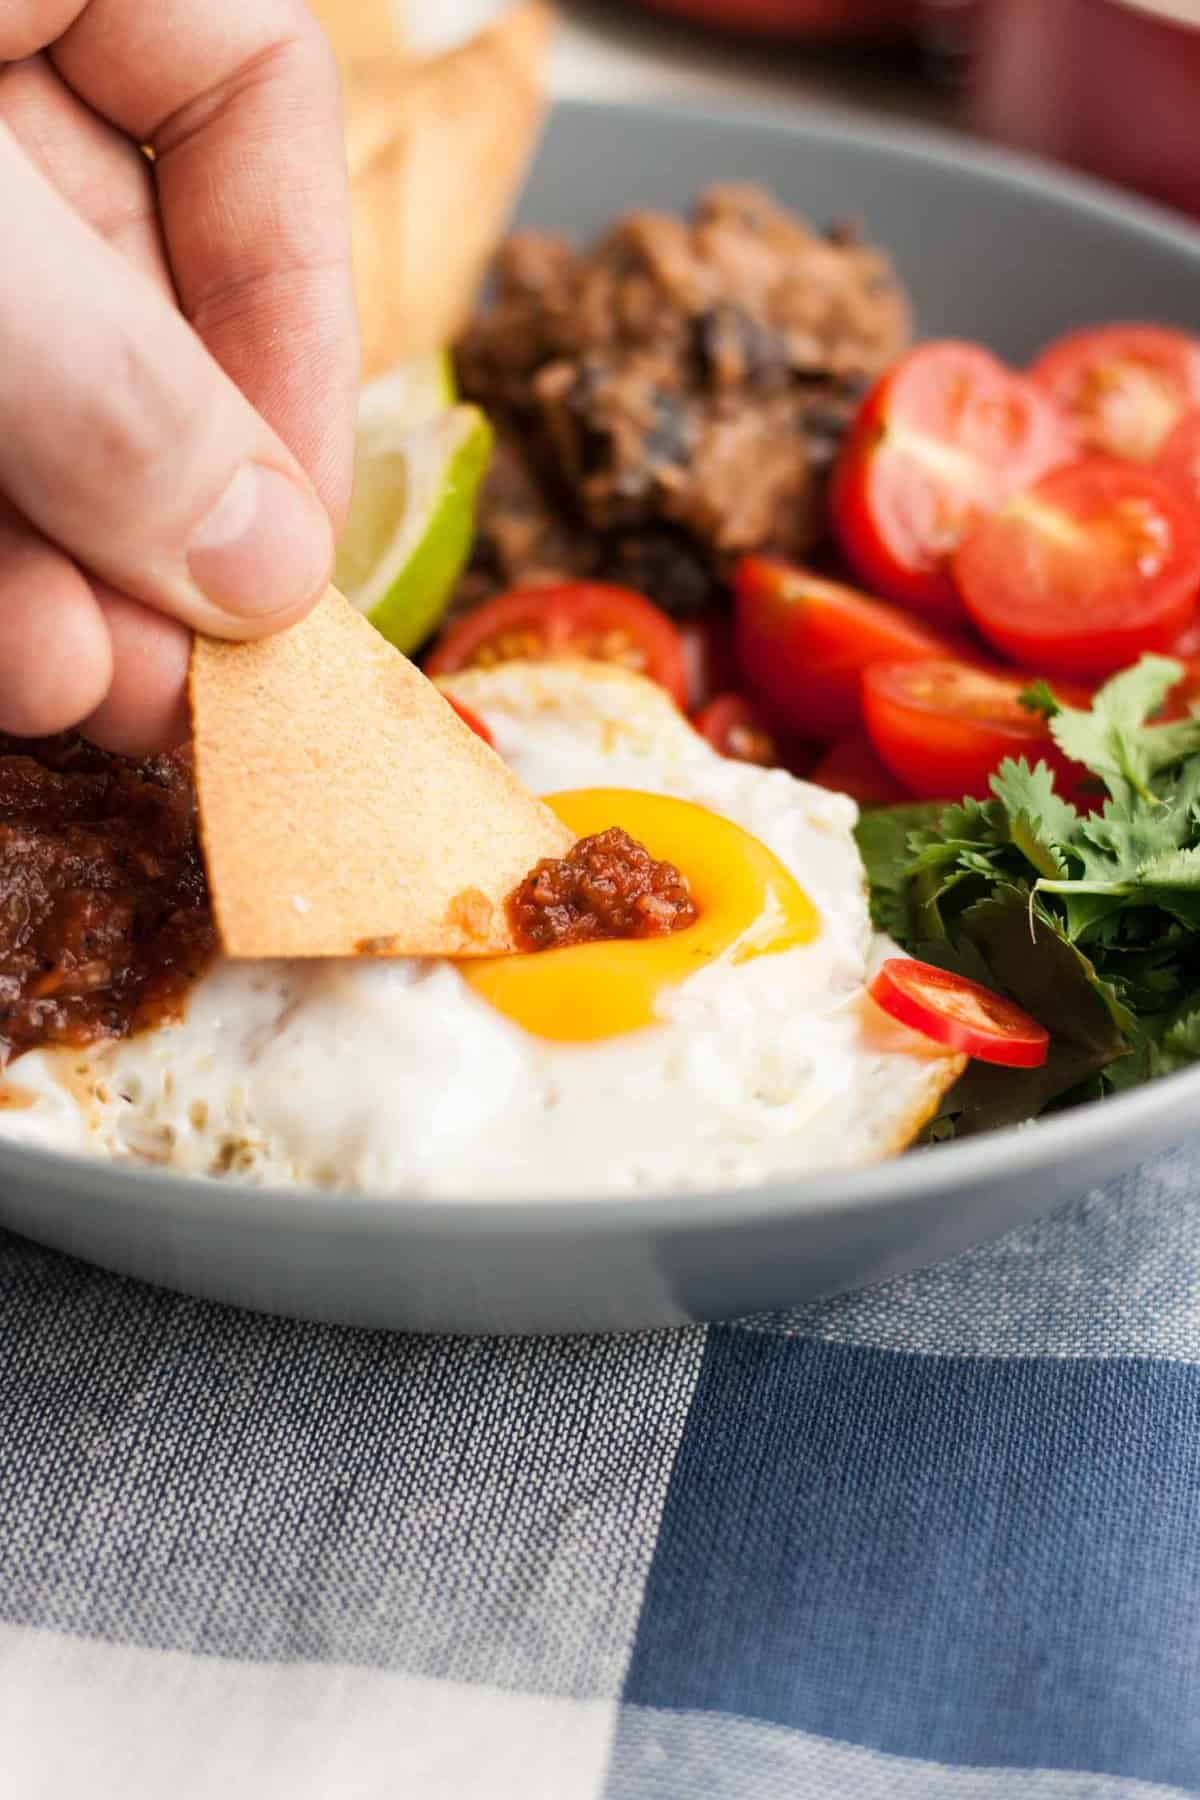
(396, 1076)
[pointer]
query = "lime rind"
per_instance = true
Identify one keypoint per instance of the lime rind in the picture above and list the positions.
(419, 460)
(443, 462)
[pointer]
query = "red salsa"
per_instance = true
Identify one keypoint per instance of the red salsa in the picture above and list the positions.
(607, 886)
(104, 910)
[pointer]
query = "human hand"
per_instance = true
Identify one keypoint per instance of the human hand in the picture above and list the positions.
(178, 349)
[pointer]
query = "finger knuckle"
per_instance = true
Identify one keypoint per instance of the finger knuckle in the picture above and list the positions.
(24, 30)
(146, 409)
(300, 63)
(42, 693)
(314, 48)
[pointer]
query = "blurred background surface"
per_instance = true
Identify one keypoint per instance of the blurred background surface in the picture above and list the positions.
(1112, 86)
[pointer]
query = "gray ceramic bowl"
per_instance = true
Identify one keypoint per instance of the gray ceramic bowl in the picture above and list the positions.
(992, 248)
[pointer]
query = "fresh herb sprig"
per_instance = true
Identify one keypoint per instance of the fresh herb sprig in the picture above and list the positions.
(1089, 919)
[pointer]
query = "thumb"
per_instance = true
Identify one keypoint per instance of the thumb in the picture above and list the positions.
(127, 445)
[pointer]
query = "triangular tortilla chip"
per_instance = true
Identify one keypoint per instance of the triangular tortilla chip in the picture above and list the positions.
(359, 29)
(345, 809)
(437, 153)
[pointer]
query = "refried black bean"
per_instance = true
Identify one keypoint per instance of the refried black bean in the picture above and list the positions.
(682, 382)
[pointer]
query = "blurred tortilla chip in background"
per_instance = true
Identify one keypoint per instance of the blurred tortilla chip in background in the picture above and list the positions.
(438, 149)
(362, 29)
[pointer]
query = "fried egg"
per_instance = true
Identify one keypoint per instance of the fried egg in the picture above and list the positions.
(741, 1048)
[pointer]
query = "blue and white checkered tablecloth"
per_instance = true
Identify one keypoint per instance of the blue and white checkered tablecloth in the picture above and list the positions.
(938, 1540)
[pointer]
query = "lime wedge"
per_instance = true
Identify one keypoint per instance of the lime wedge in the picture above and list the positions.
(411, 521)
(408, 395)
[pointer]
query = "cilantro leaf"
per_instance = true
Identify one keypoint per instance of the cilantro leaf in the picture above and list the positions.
(1033, 960)
(1039, 822)
(1089, 919)
(1179, 1044)
(1113, 738)
(970, 838)
(1175, 868)
(883, 843)
(1039, 697)
(1026, 956)
(1131, 854)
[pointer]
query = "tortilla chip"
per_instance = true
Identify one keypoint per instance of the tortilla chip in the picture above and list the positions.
(437, 153)
(345, 809)
(359, 29)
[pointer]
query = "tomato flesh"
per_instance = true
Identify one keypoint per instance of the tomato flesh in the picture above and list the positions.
(960, 1014)
(1184, 697)
(948, 433)
(854, 767)
(470, 717)
(1097, 564)
(707, 639)
(736, 727)
(944, 728)
(1187, 645)
(803, 642)
(579, 618)
(1122, 388)
(1179, 460)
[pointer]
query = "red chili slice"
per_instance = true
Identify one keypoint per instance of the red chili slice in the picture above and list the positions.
(470, 717)
(963, 1015)
(1084, 572)
(579, 618)
(947, 434)
(1122, 388)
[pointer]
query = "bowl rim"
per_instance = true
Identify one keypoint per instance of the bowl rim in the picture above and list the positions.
(864, 1190)
(1022, 1150)
(855, 127)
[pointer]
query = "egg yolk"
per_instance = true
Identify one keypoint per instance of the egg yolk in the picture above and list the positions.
(748, 905)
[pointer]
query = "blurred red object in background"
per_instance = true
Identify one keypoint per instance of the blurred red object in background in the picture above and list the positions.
(1112, 86)
(826, 19)
(948, 30)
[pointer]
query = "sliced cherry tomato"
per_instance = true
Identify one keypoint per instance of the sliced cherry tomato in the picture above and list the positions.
(803, 643)
(947, 434)
(1187, 645)
(1179, 459)
(1096, 564)
(708, 656)
(963, 1015)
(944, 728)
(737, 729)
(734, 725)
(854, 767)
(579, 618)
(1122, 388)
(470, 717)
(1184, 697)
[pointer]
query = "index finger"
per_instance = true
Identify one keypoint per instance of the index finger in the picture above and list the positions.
(239, 101)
